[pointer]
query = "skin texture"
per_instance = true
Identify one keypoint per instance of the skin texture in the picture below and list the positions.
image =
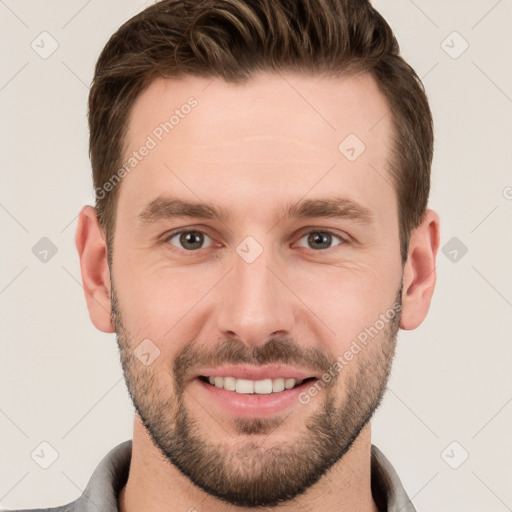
(253, 149)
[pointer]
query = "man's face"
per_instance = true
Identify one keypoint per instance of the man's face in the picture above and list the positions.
(257, 295)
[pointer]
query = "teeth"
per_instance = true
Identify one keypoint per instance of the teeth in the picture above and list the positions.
(277, 385)
(259, 387)
(289, 383)
(229, 383)
(263, 387)
(244, 386)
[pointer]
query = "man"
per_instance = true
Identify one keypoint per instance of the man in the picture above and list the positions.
(260, 235)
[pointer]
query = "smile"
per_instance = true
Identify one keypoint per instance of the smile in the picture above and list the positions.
(258, 387)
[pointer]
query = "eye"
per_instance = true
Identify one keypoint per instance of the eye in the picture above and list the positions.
(189, 240)
(320, 240)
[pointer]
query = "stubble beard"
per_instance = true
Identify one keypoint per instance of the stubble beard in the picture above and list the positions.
(254, 472)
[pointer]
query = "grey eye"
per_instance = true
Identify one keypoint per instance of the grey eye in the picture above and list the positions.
(320, 240)
(189, 240)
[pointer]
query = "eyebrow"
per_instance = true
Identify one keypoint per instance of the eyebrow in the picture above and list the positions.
(166, 208)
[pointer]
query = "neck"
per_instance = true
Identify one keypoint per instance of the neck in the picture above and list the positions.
(154, 484)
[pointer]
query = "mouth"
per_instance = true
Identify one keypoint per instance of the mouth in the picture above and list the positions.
(256, 387)
(270, 391)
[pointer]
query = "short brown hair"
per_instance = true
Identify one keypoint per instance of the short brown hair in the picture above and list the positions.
(232, 40)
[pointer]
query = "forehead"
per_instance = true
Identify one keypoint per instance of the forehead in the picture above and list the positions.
(280, 135)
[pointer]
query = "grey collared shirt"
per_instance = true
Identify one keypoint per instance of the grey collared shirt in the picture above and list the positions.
(111, 474)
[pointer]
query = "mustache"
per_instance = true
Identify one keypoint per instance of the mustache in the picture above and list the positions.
(230, 351)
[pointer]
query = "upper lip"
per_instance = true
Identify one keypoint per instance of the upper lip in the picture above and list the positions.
(255, 372)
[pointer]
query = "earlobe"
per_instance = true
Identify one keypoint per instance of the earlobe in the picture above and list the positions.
(92, 251)
(420, 271)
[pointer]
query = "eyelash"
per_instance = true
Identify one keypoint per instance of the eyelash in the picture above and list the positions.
(343, 240)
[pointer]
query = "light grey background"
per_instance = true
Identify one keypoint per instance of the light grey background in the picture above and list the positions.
(60, 379)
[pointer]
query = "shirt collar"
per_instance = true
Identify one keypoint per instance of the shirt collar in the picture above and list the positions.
(387, 489)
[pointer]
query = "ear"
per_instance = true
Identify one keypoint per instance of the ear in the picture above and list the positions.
(92, 250)
(420, 271)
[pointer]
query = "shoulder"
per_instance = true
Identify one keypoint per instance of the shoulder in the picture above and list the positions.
(101, 492)
(69, 507)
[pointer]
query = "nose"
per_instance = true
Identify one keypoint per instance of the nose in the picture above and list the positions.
(254, 302)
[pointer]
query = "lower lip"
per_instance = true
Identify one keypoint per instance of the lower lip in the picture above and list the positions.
(253, 405)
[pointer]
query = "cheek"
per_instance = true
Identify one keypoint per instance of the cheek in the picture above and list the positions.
(157, 302)
(350, 299)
